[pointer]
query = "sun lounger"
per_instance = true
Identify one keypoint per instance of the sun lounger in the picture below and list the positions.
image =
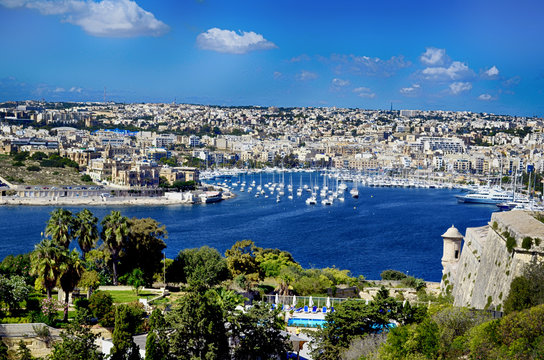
(324, 310)
(314, 309)
(306, 308)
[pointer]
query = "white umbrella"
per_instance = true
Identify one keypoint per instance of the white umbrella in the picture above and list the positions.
(277, 299)
(294, 300)
(311, 302)
(403, 303)
(328, 303)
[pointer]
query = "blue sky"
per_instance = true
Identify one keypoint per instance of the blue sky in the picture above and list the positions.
(484, 56)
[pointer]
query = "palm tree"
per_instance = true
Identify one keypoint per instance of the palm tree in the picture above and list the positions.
(45, 263)
(71, 269)
(114, 234)
(86, 230)
(60, 227)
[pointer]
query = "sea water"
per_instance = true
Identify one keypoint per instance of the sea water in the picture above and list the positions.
(385, 228)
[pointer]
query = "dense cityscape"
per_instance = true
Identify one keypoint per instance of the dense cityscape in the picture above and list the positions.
(139, 138)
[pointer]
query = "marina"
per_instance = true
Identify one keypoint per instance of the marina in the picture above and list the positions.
(384, 228)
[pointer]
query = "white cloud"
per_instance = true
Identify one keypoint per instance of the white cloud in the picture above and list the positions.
(277, 75)
(106, 18)
(455, 71)
(299, 58)
(433, 56)
(459, 87)
(232, 42)
(75, 89)
(340, 83)
(511, 81)
(410, 90)
(368, 66)
(485, 97)
(59, 90)
(492, 71)
(306, 75)
(364, 92)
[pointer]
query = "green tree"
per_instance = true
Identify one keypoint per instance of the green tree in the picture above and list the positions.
(71, 270)
(86, 230)
(134, 279)
(156, 346)
(455, 322)
(90, 280)
(77, 343)
(241, 259)
(198, 328)
(258, 334)
(227, 300)
(143, 247)
(13, 290)
(203, 267)
(45, 264)
(114, 234)
(101, 305)
(126, 323)
(17, 265)
(518, 335)
(417, 341)
(520, 295)
(351, 320)
(272, 261)
(60, 227)
(526, 290)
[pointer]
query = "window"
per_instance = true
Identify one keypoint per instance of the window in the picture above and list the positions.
(456, 254)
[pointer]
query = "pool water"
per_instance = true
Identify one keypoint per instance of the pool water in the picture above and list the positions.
(311, 323)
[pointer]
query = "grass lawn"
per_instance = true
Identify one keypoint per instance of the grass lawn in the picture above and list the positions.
(126, 296)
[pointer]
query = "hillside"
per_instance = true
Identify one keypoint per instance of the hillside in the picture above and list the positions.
(26, 171)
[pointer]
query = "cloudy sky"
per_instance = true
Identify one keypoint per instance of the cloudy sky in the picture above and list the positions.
(472, 55)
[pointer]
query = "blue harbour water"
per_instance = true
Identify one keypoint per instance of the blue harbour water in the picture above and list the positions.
(386, 228)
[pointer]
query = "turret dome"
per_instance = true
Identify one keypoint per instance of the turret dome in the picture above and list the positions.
(452, 233)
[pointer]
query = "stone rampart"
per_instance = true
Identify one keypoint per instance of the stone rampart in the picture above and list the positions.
(487, 267)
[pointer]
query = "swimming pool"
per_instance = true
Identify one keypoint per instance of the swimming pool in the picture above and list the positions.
(312, 323)
(319, 323)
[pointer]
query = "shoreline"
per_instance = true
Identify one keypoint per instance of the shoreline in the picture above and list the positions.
(99, 201)
(148, 201)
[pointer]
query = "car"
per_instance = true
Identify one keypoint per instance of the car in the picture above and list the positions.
(28, 188)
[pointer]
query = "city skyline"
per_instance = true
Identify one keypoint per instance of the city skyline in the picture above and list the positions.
(476, 56)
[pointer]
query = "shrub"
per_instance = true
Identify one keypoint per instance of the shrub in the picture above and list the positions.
(22, 156)
(39, 155)
(510, 241)
(393, 275)
(101, 305)
(86, 178)
(527, 243)
(49, 309)
(17, 164)
(33, 168)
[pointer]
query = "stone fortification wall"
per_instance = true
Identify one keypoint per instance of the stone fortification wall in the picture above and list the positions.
(486, 266)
